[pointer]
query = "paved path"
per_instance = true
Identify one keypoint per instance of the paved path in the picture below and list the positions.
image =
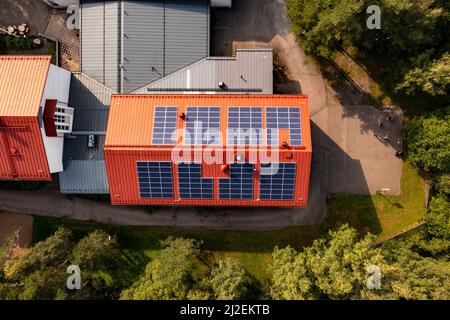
(360, 163)
(49, 202)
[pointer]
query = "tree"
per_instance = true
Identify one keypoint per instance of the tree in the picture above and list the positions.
(40, 273)
(416, 277)
(334, 268)
(408, 27)
(169, 275)
(433, 77)
(291, 279)
(50, 252)
(438, 217)
(443, 183)
(325, 25)
(228, 280)
(428, 139)
(94, 250)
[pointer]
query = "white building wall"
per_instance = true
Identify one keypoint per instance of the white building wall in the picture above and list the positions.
(57, 87)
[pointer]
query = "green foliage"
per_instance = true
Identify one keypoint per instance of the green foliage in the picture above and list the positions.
(333, 268)
(44, 254)
(428, 140)
(336, 268)
(40, 272)
(416, 277)
(94, 250)
(169, 275)
(438, 217)
(11, 43)
(323, 26)
(228, 280)
(443, 184)
(414, 35)
(422, 243)
(432, 78)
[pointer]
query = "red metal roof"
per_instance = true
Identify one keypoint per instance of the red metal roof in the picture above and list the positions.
(22, 153)
(129, 142)
(22, 83)
(131, 117)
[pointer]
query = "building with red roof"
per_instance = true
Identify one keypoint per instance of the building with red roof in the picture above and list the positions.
(34, 116)
(209, 150)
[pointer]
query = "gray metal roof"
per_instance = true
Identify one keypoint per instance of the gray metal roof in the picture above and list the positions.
(84, 176)
(84, 168)
(76, 148)
(250, 71)
(91, 100)
(126, 44)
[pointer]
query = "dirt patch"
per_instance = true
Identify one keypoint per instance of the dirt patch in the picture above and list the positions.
(14, 223)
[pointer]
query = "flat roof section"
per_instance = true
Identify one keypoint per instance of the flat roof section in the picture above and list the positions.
(250, 71)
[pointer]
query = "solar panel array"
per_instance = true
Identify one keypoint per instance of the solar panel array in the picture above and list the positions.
(244, 126)
(283, 118)
(164, 125)
(240, 183)
(191, 183)
(155, 179)
(277, 181)
(203, 125)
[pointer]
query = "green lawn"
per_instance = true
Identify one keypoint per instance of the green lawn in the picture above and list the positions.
(381, 215)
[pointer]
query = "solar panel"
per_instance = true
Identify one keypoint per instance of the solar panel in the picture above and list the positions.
(191, 183)
(277, 181)
(164, 125)
(283, 118)
(203, 125)
(240, 183)
(244, 126)
(155, 179)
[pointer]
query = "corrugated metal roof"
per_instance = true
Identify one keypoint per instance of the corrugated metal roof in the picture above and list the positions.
(91, 100)
(22, 83)
(131, 116)
(76, 148)
(84, 177)
(126, 44)
(186, 33)
(84, 170)
(250, 71)
(100, 41)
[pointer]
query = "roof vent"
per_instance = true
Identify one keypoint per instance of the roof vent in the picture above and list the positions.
(239, 158)
(222, 85)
